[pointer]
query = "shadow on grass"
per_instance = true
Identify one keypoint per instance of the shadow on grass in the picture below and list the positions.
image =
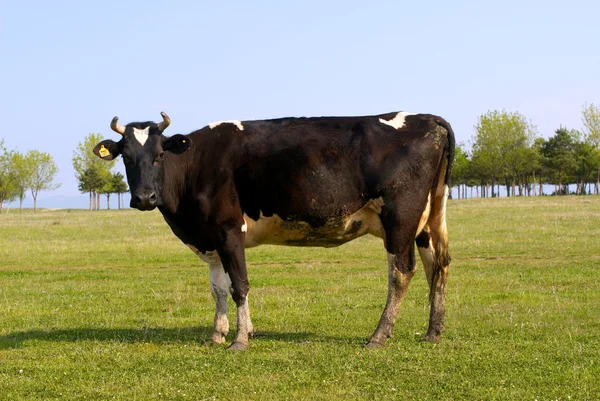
(159, 336)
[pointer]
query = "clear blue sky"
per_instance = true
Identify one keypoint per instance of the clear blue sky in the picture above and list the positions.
(67, 67)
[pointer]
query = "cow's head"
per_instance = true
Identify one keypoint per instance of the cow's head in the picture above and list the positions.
(143, 148)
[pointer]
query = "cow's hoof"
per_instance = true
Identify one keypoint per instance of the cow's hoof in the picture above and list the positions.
(217, 339)
(433, 338)
(374, 344)
(238, 347)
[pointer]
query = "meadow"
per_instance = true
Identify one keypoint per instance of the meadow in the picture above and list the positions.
(110, 305)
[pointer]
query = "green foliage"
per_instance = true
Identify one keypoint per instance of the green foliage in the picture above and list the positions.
(22, 169)
(591, 124)
(42, 170)
(500, 147)
(93, 174)
(112, 305)
(461, 165)
(559, 152)
(8, 189)
(117, 183)
(90, 180)
(506, 151)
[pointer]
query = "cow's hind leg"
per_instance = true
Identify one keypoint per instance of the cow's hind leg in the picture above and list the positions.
(401, 268)
(427, 254)
(438, 276)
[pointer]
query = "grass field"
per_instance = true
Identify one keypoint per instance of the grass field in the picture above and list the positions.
(110, 305)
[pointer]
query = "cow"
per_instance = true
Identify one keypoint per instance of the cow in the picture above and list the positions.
(319, 181)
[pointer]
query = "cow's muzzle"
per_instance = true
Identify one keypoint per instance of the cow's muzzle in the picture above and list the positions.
(144, 200)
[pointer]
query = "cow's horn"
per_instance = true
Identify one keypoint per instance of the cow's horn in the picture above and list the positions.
(118, 128)
(165, 122)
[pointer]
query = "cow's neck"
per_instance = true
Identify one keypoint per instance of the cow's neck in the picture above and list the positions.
(177, 180)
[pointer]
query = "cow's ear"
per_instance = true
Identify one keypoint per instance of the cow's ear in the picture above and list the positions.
(107, 149)
(177, 144)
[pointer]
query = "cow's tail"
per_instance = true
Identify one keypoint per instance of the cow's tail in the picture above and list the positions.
(450, 149)
(437, 219)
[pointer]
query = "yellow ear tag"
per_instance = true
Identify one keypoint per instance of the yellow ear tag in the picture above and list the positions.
(183, 141)
(103, 152)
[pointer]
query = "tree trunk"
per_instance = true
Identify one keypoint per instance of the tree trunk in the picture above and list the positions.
(108, 201)
(560, 185)
(35, 203)
(90, 201)
(20, 205)
(97, 200)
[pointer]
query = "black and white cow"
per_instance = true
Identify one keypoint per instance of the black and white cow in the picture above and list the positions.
(303, 182)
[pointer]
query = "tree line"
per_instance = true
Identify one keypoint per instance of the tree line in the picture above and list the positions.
(506, 151)
(95, 176)
(20, 173)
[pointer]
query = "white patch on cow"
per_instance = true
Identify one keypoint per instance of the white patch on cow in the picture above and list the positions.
(220, 288)
(428, 259)
(219, 278)
(237, 123)
(425, 215)
(444, 227)
(244, 323)
(245, 226)
(141, 135)
(398, 121)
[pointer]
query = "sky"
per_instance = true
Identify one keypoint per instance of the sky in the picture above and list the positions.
(68, 67)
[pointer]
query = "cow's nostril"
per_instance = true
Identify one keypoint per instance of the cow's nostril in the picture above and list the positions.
(152, 197)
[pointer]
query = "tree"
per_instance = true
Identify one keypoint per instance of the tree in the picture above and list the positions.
(586, 159)
(7, 182)
(89, 181)
(540, 163)
(560, 158)
(22, 174)
(92, 173)
(500, 147)
(43, 173)
(591, 129)
(487, 151)
(118, 186)
(460, 169)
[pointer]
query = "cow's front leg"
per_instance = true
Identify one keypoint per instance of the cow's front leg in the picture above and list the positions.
(234, 262)
(220, 286)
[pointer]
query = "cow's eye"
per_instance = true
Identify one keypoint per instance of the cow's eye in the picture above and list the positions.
(126, 160)
(160, 157)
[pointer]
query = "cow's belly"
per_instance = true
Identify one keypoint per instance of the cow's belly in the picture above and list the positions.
(336, 231)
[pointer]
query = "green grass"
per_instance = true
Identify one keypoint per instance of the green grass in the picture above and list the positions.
(110, 305)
